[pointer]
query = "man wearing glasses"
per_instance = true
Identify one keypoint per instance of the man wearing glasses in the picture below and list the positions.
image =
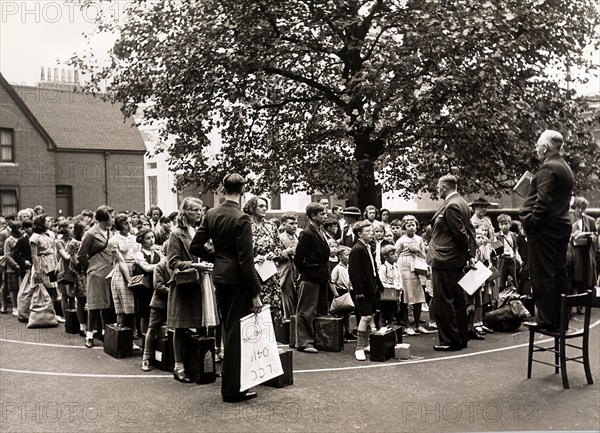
(545, 217)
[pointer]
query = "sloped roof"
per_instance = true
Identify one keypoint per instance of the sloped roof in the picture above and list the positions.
(5, 86)
(80, 121)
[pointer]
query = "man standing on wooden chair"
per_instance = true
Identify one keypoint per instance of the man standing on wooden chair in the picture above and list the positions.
(545, 217)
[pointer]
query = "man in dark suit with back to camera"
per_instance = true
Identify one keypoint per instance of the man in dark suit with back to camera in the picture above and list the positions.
(452, 247)
(235, 278)
(545, 218)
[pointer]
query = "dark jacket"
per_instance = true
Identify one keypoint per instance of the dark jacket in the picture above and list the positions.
(162, 276)
(452, 235)
(21, 253)
(231, 233)
(547, 203)
(312, 256)
(360, 270)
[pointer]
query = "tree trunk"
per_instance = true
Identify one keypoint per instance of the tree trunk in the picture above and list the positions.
(368, 192)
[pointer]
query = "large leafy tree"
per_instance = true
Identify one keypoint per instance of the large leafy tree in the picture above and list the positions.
(349, 96)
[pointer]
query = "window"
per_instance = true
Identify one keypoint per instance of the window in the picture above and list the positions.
(153, 189)
(151, 165)
(7, 141)
(275, 202)
(9, 201)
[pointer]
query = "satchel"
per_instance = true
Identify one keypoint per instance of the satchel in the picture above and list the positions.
(52, 276)
(342, 304)
(186, 277)
(419, 266)
(507, 317)
(498, 247)
(389, 294)
(139, 283)
(42, 314)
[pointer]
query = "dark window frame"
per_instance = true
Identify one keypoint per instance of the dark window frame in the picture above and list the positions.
(12, 146)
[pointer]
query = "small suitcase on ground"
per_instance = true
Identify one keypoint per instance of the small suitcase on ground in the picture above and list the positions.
(382, 346)
(199, 358)
(118, 341)
(71, 322)
(329, 333)
(287, 378)
(58, 308)
(282, 332)
(402, 351)
(293, 332)
(162, 357)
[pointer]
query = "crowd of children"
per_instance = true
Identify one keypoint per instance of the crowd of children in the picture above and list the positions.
(380, 263)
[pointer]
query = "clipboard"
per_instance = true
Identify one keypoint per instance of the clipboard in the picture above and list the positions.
(265, 269)
(522, 186)
(475, 278)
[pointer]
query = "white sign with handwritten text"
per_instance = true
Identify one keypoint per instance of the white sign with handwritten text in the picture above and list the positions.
(260, 360)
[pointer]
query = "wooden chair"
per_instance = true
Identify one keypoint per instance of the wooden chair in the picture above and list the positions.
(567, 302)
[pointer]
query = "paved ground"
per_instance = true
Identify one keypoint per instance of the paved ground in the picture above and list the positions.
(50, 383)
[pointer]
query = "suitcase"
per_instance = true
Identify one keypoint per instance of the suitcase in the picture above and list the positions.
(329, 333)
(282, 332)
(118, 341)
(382, 346)
(71, 322)
(293, 332)
(162, 356)
(398, 330)
(199, 358)
(402, 351)
(287, 378)
(58, 308)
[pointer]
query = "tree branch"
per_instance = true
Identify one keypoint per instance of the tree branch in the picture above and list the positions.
(329, 93)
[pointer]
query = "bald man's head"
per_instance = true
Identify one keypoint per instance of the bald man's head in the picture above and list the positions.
(549, 143)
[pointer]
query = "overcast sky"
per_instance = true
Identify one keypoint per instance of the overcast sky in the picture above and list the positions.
(45, 33)
(36, 33)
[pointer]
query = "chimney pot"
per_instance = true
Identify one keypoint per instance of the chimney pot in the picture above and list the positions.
(49, 74)
(56, 76)
(76, 76)
(43, 75)
(70, 76)
(63, 77)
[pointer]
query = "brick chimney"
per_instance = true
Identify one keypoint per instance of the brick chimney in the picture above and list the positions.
(67, 80)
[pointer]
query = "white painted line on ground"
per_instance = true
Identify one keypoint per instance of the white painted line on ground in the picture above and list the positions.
(317, 370)
(49, 344)
(114, 376)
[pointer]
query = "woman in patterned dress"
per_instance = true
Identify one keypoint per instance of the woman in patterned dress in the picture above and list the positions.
(267, 246)
(43, 255)
(123, 248)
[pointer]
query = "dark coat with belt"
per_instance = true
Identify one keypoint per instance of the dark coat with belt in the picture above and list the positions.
(364, 278)
(452, 235)
(312, 256)
(184, 305)
(231, 233)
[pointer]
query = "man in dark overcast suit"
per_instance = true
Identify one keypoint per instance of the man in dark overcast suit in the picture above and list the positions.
(235, 278)
(545, 218)
(451, 248)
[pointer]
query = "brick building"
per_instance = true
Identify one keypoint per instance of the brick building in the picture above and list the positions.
(66, 151)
